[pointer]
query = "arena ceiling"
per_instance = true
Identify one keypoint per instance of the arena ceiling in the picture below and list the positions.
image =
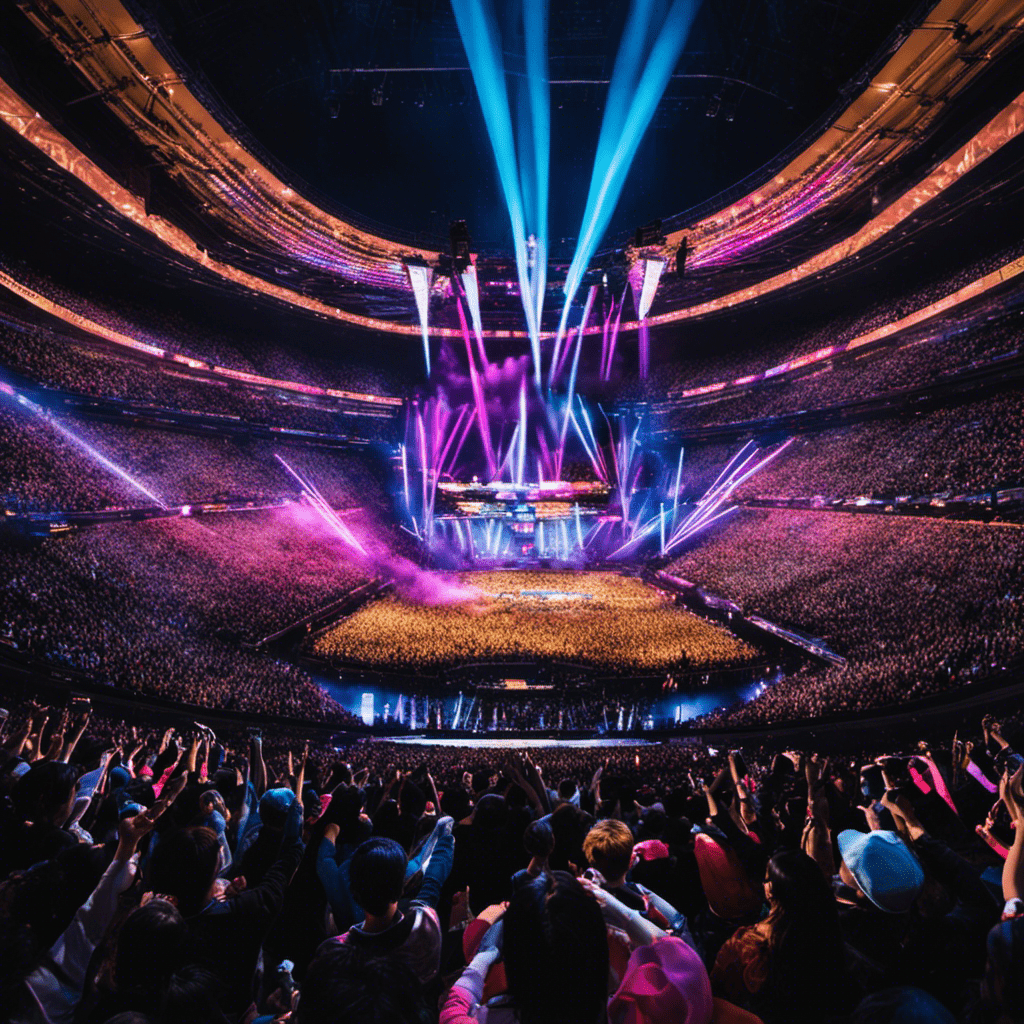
(182, 119)
(408, 148)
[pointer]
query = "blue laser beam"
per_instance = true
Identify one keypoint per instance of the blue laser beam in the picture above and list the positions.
(81, 443)
(648, 53)
(482, 42)
(99, 457)
(535, 32)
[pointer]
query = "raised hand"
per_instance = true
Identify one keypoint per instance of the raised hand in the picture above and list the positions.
(1010, 791)
(130, 831)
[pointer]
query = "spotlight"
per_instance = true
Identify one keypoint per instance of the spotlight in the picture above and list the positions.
(419, 280)
(652, 275)
(472, 289)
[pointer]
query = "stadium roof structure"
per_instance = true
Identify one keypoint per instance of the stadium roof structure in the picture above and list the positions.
(144, 132)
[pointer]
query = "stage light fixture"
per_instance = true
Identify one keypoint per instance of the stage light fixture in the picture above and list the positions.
(652, 275)
(471, 287)
(458, 235)
(649, 234)
(681, 254)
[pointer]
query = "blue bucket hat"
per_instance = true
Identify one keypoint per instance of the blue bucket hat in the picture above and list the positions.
(274, 806)
(885, 869)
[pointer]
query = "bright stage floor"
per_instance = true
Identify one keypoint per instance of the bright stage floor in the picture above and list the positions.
(596, 618)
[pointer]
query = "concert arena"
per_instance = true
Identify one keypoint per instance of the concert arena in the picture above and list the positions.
(511, 512)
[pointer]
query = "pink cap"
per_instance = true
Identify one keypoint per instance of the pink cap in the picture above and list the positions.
(651, 849)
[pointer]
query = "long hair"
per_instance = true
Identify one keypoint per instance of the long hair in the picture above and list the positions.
(556, 952)
(152, 944)
(184, 865)
(805, 943)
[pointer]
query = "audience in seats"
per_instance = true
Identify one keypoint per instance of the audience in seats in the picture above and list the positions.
(157, 877)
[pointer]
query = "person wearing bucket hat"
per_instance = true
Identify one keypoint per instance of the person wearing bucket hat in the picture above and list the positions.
(665, 981)
(881, 867)
(263, 840)
(878, 881)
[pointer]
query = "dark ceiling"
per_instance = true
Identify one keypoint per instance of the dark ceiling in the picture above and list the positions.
(408, 149)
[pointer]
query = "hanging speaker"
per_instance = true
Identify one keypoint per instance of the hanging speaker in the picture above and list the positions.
(681, 256)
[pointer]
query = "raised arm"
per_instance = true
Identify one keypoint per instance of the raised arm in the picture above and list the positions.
(532, 773)
(80, 726)
(300, 780)
(515, 770)
(640, 930)
(14, 744)
(1013, 867)
(53, 751)
(748, 813)
(816, 841)
(958, 876)
(33, 747)
(257, 766)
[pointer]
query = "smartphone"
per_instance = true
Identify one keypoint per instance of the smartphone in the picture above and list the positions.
(872, 785)
(896, 769)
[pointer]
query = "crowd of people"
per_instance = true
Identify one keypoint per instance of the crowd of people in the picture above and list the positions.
(925, 358)
(164, 607)
(170, 327)
(43, 357)
(915, 606)
(892, 301)
(969, 449)
(42, 469)
(606, 620)
(155, 876)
